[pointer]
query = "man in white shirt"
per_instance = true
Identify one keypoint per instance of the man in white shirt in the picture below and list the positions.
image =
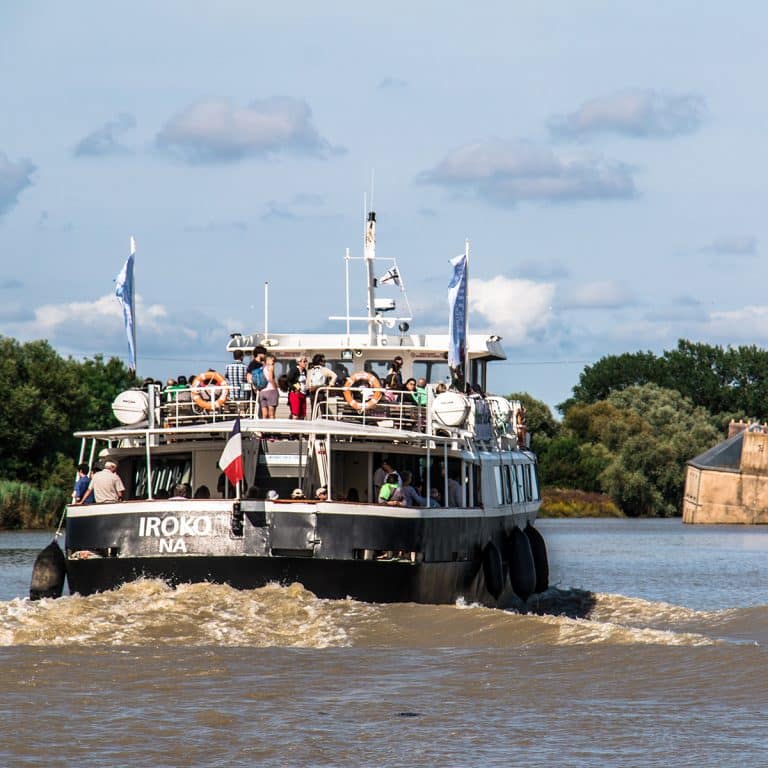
(106, 486)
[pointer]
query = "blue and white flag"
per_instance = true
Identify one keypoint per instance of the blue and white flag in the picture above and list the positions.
(457, 312)
(124, 292)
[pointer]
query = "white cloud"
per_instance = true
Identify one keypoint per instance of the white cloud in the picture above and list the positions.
(14, 179)
(505, 173)
(634, 112)
(104, 141)
(739, 326)
(90, 327)
(216, 131)
(519, 310)
(605, 294)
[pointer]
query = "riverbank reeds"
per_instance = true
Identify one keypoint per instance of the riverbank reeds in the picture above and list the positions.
(567, 502)
(24, 506)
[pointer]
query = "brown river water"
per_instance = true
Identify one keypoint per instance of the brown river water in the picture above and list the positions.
(668, 668)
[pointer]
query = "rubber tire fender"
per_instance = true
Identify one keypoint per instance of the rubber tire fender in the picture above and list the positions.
(48, 573)
(493, 570)
(522, 569)
(540, 560)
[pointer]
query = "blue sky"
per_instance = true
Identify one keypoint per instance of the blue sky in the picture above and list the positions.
(602, 158)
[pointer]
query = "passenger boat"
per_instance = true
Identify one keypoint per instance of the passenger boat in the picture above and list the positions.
(461, 445)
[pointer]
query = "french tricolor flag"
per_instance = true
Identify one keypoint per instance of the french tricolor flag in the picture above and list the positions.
(231, 460)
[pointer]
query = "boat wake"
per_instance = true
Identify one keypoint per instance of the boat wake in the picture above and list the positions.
(150, 613)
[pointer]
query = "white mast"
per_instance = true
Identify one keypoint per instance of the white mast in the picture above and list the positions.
(346, 281)
(266, 309)
(369, 254)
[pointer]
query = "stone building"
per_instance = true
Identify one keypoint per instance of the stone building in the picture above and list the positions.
(728, 484)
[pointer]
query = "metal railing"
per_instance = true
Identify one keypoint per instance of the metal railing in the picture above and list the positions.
(395, 409)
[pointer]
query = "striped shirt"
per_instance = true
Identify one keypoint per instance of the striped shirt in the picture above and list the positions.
(234, 373)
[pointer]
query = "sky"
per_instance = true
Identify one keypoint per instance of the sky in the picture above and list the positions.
(603, 160)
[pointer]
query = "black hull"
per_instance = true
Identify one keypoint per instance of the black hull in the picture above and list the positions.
(406, 556)
(366, 580)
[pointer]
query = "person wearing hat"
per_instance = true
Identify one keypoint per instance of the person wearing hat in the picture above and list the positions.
(106, 485)
(272, 495)
(321, 494)
(297, 493)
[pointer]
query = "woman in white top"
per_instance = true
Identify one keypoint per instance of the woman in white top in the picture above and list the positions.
(269, 395)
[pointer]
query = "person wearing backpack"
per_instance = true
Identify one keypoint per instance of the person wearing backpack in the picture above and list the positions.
(319, 377)
(255, 375)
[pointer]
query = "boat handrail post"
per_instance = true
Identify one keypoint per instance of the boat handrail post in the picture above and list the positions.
(445, 473)
(92, 453)
(153, 397)
(149, 464)
(329, 469)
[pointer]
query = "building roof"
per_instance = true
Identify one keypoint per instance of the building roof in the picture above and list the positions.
(725, 456)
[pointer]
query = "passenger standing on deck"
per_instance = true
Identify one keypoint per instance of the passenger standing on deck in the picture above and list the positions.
(319, 377)
(393, 381)
(255, 373)
(406, 495)
(105, 486)
(81, 484)
(297, 397)
(394, 377)
(269, 394)
(235, 374)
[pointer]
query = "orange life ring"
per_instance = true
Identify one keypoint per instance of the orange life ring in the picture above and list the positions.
(209, 379)
(353, 382)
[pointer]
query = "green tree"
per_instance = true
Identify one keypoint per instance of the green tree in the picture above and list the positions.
(611, 374)
(47, 397)
(721, 379)
(565, 462)
(646, 474)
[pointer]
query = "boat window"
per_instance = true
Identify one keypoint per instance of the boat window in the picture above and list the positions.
(534, 483)
(505, 483)
(379, 368)
(499, 489)
(517, 471)
(434, 371)
(527, 481)
(167, 471)
(509, 469)
(477, 497)
(340, 369)
(288, 365)
(284, 366)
